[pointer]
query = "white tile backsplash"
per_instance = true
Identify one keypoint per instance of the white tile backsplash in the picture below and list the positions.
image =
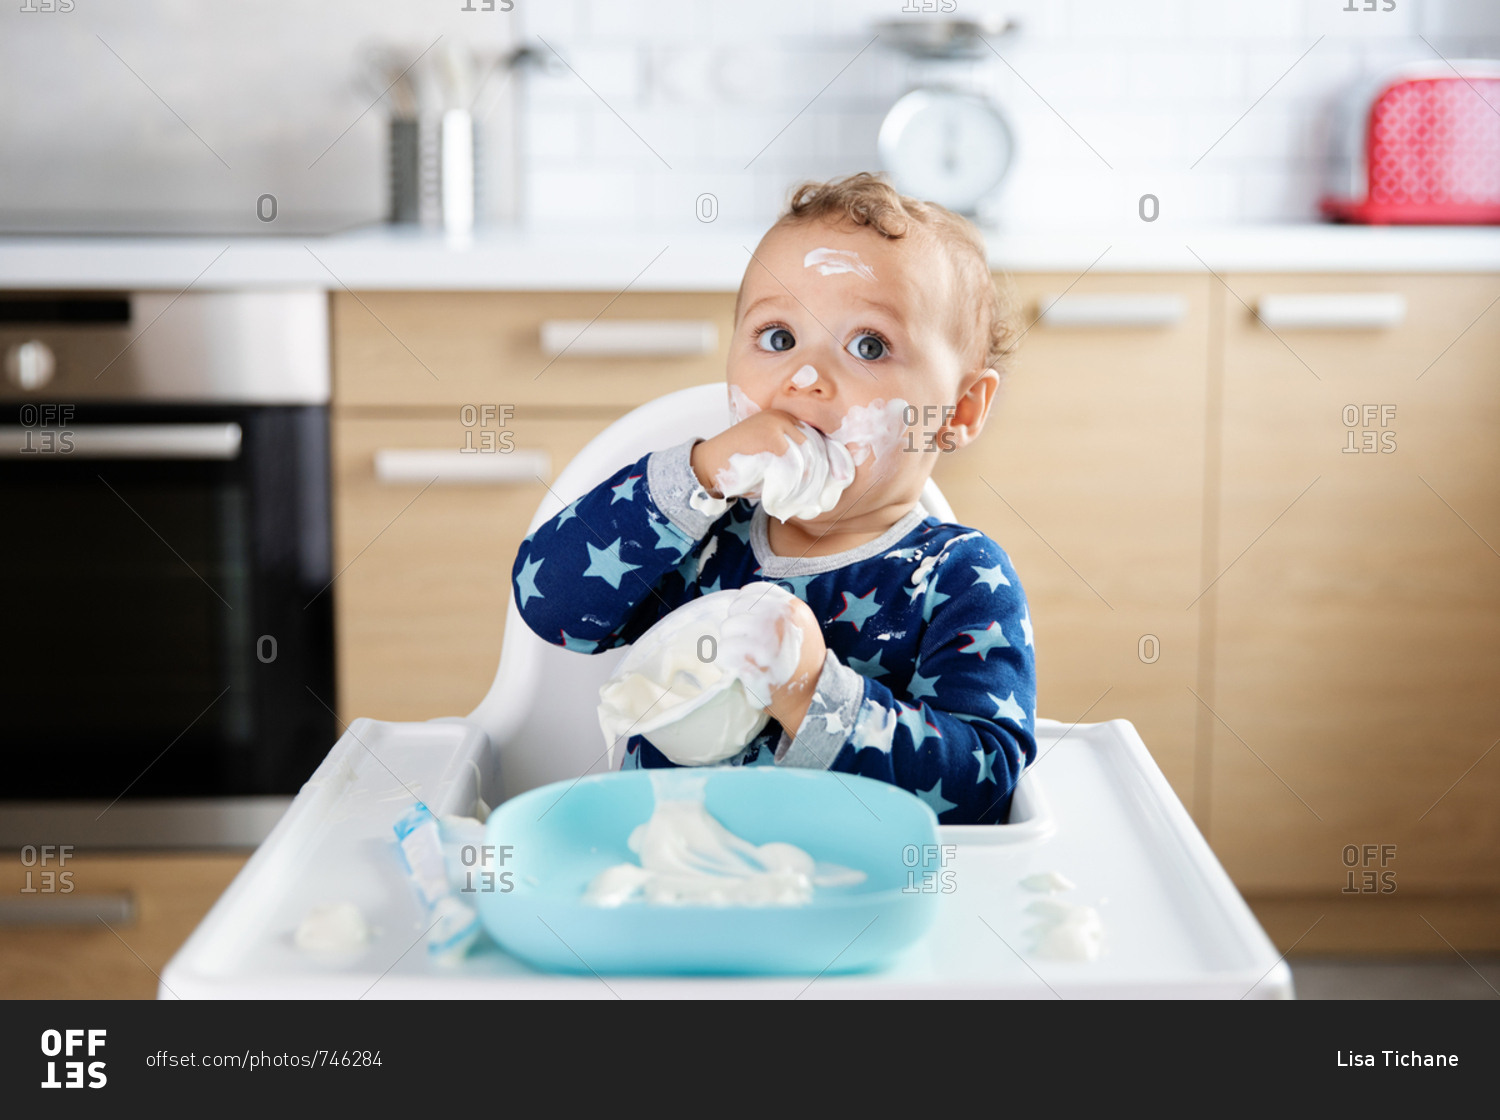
(1391, 19)
(712, 86)
(1170, 77)
(1127, 19)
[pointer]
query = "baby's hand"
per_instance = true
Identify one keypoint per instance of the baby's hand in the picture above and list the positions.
(771, 430)
(789, 702)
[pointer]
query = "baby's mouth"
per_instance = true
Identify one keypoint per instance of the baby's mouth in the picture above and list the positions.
(814, 426)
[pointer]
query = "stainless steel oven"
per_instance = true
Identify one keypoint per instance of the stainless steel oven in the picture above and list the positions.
(167, 576)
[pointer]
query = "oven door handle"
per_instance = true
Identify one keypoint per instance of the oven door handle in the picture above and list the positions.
(122, 441)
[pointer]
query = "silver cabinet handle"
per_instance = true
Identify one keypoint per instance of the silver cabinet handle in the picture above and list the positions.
(403, 466)
(122, 441)
(117, 907)
(1120, 309)
(1346, 311)
(629, 338)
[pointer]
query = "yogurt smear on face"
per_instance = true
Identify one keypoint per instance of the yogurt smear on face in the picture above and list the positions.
(741, 407)
(833, 262)
(872, 429)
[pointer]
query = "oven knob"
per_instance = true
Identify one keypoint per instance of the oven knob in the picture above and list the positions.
(30, 365)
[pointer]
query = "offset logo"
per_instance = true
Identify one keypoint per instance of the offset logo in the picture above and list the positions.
(66, 1044)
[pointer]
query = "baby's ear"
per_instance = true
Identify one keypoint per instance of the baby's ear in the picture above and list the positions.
(971, 409)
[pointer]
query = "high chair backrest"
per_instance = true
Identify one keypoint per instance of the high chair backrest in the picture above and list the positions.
(541, 710)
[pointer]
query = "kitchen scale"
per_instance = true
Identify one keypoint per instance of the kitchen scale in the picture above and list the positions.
(946, 140)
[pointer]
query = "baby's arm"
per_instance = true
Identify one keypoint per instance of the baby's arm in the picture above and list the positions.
(609, 565)
(959, 733)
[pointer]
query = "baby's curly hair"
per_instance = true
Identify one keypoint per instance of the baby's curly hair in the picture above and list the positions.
(865, 199)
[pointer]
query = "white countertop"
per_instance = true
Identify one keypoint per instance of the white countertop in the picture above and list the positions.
(701, 258)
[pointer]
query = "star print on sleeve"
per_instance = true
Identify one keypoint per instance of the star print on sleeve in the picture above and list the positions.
(738, 527)
(1008, 708)
(605, 563)
(923, 686)
(935, 800)
(986, 760)
(992, 578)
(669, 536)
(982, 641)
(602, 570)
(915, 722)
(625, 491)
(526, 588)
(963, 729)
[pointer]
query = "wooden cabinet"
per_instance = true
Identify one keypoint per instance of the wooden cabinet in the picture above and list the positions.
(1273, 549)
(425, 564)
(494, 393)
(1090, 473)
(457, 348)
(170, 894)
(1357, 617)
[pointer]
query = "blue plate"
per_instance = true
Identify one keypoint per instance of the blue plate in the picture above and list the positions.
(555, 839)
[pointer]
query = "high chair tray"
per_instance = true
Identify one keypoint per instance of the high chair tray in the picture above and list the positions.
(1093, 808)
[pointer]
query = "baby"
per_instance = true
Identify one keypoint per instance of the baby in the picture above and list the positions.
(871, 318)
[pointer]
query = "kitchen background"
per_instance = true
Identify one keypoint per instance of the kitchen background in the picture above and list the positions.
(659, 103)
(161, 116)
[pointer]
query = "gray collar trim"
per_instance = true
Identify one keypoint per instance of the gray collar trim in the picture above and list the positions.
(775, 566)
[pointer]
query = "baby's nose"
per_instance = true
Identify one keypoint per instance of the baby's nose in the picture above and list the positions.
(806, 378)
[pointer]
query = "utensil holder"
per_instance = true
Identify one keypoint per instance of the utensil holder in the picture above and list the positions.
(434, 176)
(405, 170)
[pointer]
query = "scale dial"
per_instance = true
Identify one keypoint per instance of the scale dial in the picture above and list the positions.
(946, 146)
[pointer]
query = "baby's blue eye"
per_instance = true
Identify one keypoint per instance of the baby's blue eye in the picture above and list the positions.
(866, 347)
(776, 340)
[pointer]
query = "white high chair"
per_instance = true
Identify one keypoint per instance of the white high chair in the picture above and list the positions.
(1108, 821)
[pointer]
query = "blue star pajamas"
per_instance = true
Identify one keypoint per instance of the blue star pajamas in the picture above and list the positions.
(929, 682)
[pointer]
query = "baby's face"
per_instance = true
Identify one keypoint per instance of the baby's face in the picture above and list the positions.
(832, 318)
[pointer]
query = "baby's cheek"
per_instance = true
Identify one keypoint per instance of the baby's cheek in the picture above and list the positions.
(875, 430)
(741, 405)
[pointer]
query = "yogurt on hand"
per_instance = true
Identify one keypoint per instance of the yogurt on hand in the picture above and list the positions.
(805, 480)
(698, 684)
(808, 478)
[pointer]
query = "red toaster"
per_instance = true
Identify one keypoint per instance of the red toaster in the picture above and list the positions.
(1419, 146)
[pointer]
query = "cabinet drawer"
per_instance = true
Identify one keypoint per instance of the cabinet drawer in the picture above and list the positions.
(526, 348)
(1353, 329)
(1359, 628)
(1095, 447)
(168, 896)
(425, 565)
